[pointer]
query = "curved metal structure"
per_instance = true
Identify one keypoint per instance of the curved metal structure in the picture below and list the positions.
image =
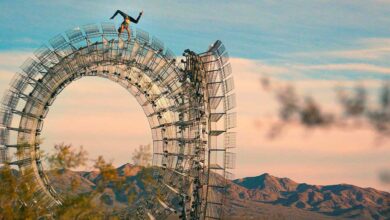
(188, 105)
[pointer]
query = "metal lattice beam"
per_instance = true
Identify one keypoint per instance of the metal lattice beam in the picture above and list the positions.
(188, 106)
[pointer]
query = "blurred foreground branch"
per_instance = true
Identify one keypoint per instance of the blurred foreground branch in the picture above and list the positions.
(308, 112)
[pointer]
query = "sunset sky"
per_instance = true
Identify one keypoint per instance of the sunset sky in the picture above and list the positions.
(313, 45)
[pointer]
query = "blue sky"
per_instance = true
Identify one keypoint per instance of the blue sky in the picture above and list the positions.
(282, 33)
(314, 44)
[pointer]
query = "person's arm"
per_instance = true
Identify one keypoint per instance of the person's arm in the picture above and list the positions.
(136, 20)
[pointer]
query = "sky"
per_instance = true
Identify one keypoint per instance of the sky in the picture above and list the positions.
(312, 44)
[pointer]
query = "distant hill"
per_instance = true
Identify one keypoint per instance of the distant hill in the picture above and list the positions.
(340, 200)
(259, 197)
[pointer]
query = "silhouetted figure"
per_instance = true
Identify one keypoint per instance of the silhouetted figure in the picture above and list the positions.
(126, 22)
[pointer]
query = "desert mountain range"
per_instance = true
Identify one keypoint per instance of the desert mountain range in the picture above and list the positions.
(260, 197)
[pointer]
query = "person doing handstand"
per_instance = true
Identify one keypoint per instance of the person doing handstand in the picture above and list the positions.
(126, 22)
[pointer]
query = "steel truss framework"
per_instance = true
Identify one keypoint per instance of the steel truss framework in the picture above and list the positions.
(188, 105)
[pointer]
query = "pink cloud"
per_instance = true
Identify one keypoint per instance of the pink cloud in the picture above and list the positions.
(371, 53)
(376, 41)
(360, 67)
(367, 49)
(241, 65)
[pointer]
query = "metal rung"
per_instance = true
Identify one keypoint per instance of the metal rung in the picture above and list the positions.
(168, 78)
(229, 175)
(31, 67)
(216, 167)
(109, 28)
(19, 129)
(216, 186)
(227, 70)
(214, 117)
(224, 58)
(175, 155)
(58, 42)
(5, 117)
(91, 30)
(185, 123)
(4, 135)
(31, 98)
(213, 88)
(216, 132)
(171, 188)
(163, 125)
(213, 82)
(163, 204)
(230, 140)
(218, 47)
(42, 85)
(211, 217)
(25, 161)
(185, 140)
(214, 203)
(230, 160)
(169, 108)
(230, 101)
(231, 120)
(214, 101)
(10, 99)
(12, 145)
(75, 34)
(221, 49)
(47, 57)
(19, 82)
(25, 114)
(182, 123)
(169, 55)
(157, 44)
(3, 155)
(42, 52)
(213, 71)
(173, 170)
(229, 84)
(142, 35)
(212, 75)
(217, 149)
(211, 60)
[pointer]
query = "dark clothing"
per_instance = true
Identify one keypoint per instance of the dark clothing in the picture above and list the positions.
(126, 17)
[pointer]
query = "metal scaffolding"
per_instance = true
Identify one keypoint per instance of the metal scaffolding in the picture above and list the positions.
(188, 105)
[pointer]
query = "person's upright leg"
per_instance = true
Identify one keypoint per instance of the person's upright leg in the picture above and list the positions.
(136, 20)
(124, 15)
(112, 17)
